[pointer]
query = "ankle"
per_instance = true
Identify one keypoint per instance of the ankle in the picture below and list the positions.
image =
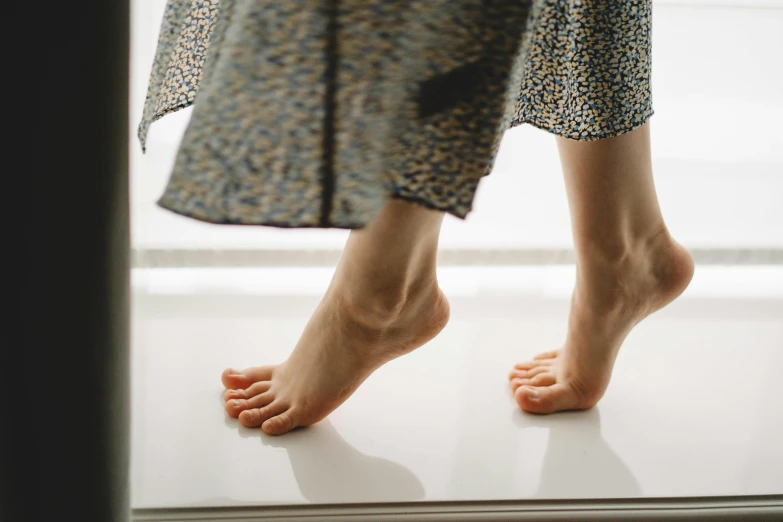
(380, 304)
(644, 274)
(622, 252)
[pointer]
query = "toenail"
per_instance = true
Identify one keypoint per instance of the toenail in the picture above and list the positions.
(533, 394)
(237, 403)
(234, 371)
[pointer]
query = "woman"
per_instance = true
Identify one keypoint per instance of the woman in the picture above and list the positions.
(379, 116)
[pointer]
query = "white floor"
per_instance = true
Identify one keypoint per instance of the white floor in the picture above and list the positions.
(695, 407)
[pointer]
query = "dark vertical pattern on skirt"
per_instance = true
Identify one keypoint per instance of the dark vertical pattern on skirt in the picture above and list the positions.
(332, 58)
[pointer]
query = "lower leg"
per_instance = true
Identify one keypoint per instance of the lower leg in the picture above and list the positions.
(389, 262)
(628, 266)
(383, 302)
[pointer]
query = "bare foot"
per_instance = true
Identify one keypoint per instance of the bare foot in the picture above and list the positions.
(342, 344)
(608, 301)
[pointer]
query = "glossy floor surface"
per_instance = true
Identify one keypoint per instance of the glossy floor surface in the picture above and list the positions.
(695, 407)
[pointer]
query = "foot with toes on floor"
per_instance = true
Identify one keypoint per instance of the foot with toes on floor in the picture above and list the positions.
(383, 302)
(628, 266)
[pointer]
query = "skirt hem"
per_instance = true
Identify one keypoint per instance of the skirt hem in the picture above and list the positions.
(205, 218)
(618, 131)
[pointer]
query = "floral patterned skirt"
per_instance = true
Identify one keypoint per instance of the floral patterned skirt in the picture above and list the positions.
(314, 113)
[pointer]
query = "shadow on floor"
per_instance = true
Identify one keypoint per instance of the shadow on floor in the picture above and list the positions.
(578, 462)
(329, 470)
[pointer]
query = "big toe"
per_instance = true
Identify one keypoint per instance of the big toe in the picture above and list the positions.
(241, 379)
(546, 399)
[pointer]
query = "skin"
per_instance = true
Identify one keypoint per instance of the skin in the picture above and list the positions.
(384, 300)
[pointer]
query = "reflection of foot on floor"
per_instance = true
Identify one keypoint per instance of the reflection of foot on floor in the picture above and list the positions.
(579, 462)
(328, 470)
(340, 347)
(608, 301)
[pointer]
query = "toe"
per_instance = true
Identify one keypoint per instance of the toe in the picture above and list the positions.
(543, 379)
(280, 424)
(234, 394)
(538, 370)
(517, 374)
(257, 388)
(255, 417)
(550, 399)
(236, 406)
(547, 355)
(241, 379)
(261, 400)
(536, 363)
